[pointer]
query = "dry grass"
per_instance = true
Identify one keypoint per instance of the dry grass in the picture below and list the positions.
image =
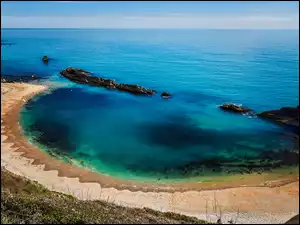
(24, 201)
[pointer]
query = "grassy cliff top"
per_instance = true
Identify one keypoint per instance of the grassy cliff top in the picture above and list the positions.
(24, 201)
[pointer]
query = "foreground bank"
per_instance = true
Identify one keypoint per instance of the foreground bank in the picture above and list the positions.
(23, 201)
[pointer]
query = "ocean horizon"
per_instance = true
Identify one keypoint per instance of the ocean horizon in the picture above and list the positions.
(203, 29)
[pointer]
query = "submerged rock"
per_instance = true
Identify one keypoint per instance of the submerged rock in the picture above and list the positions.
(166, 95)
(45, 59)
(287, 116)
(83, 77)
(9, 44)
(235, 108)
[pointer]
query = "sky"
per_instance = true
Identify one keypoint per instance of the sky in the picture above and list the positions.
(151, 14)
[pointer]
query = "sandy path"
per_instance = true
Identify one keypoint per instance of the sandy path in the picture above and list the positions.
(253, 204)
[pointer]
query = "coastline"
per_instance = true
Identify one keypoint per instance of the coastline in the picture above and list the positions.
(20, 157)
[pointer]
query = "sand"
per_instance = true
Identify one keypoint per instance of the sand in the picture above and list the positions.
(268, 201)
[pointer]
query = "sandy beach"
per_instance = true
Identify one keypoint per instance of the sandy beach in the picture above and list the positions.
(244, 199)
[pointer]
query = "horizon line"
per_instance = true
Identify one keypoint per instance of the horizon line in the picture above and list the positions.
(140, 28)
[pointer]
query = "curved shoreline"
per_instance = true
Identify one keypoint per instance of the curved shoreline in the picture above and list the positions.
(14, 135)
(39, 166)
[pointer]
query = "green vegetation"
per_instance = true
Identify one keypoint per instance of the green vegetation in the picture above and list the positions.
(24, 201)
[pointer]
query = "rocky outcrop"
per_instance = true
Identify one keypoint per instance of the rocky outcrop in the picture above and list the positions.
(45, 59)
(134, 89)
(83, 77)
(12, 79)
(166, 95)
(235, 108)
(288, 116)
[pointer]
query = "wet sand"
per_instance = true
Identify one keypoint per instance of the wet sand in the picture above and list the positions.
(252, 198)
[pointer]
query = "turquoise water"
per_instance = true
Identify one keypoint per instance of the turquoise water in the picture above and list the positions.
(150, 138)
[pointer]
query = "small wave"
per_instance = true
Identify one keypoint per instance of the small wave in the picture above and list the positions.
(250, 115)
(240, 105)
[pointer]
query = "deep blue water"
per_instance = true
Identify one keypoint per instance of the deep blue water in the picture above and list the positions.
(141, 137)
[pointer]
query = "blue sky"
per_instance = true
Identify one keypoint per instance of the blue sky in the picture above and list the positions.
(216, 15)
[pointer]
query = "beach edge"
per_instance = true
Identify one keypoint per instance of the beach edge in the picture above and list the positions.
(17, 148)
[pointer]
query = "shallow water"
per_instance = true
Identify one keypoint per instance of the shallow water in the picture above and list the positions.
(146, 138)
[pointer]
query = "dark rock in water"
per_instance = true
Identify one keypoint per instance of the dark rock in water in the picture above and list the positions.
(266, 161)
(171, 135)
(25, 79)
(178, 132)
(75, 72)
(52, 134)
(134, 89)
(281, 158)
(45, 59)
(287, 112)
(286, 116)
(3, 43)
(83, 77)
(166, 95)
(235, 108)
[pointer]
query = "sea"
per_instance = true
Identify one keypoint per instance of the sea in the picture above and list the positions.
(147, 138)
